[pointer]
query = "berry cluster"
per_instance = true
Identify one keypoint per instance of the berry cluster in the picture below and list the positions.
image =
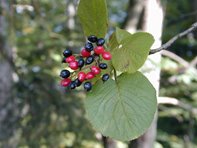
(87, 65)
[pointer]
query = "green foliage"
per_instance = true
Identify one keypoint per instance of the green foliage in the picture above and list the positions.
(130, 50)
(52, 117)
(122, 109)
(94, 17)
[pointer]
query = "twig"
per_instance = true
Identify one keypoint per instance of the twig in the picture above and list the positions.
(176, 102)
(172, 40)
(175, 57)
(193, 62)
(186, 65)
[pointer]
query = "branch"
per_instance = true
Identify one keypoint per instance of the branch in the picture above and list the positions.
(175, 58)
(176, 102)
(172, 40)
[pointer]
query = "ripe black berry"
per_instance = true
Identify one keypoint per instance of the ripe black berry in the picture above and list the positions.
(72, 85)
(67, 53)
(103, 66)
(96, 56)
(105, 77)
(64, 73)
(77, 82)
(89, 47)
(100, 42)
(92, 38)
(89, 60)
(81, 62)
(87, 86)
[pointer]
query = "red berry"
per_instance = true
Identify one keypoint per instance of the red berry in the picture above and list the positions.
(70, 59)
(73, 65)
(85, 53)
(65, 82)
(89, 75)
(81, 76)
(106, 55)
(99, 49)
(95, 70)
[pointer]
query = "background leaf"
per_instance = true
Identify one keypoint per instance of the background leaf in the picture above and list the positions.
(130, 52)
(93, 17)
(124, 109)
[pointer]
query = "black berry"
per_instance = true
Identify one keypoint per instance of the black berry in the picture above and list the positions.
(100, 42)
(64, 73)
(103, 66)
(67, 53)
(89, 47)
(81, 62)
(72, 85)
(105, 77)
(87, 86)
(92, 39)
(77, 82)
(89, 60)
(96, 56)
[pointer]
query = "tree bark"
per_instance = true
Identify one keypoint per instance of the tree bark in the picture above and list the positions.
(151, 22)
(135, 10)
(7, 105)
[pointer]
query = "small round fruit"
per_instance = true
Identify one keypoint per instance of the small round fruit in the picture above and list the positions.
(73, 65)
(89, 60)
(87, 86)
(92, 38)
(85, 53)
(77, 82)
(99, 49)
(96, 56)
(70, 59)
(81, 62)
(105, 77)
(65, 82)
(89, 47)
(106, 55)
(72, 85)
(103, 66)
(95, 70)
(64, 73)
(67, 53)
(100, 42)
(81, 76)
(89, 75)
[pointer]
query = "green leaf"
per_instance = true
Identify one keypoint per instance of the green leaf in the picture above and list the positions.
(122, 109)
(130, 51)
(113, 43)
(121, 34)
(93, 17)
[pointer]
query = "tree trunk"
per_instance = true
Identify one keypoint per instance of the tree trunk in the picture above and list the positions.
(7, 107)
(151, 22)
(135, 10)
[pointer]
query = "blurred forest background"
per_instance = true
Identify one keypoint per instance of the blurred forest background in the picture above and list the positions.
(36, 112)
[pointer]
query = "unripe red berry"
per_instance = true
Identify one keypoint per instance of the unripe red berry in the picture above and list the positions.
(85, 53)
(99, 49)
(106, 55)
(73, 65)
(95, 70)
(81, 76)
(65, 82)
(89, 75)
(70, 59)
